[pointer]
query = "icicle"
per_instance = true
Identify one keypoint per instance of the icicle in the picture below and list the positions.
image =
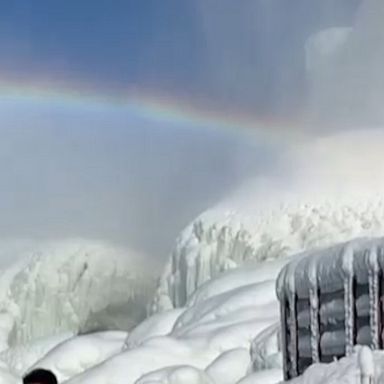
(293, 355)
(284, 346)
(348, 300)
(373, 279)
(380, 288)
(314, 310)
(283, 294)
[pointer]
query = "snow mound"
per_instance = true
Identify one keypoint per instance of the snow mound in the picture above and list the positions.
(348, 370)
(73, 286)
(20, 358)
(176, 375)
(230, 366)
(157, 325)
(6, 377)
(78, 354)
(207, 342)
(227, 333)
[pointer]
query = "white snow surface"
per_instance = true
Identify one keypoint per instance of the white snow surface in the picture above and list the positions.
(225, 331)
(349, 370)
(227, 334)
(80, 353)
(208, 341)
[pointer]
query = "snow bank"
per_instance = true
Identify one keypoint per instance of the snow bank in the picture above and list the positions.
(207, 342)
(7, 377)
(78, 354)
(228, 333)
(157, 325)
(176, 375)
(347, 370)
(230, 366)
(20, 358)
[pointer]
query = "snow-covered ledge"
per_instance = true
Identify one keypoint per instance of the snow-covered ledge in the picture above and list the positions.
(222, 239)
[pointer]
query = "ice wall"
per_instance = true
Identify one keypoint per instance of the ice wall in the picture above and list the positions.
(73, 286)
(220, 240)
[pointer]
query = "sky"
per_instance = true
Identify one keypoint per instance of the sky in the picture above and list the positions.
(124, 119)
(113, 172)
(348, 87)
(246, 57)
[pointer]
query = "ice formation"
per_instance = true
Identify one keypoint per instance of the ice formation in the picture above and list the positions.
(231, 316)
(215, 303)
(331, 191)
(325, 204)
(72, 286)
(192, 345)
(216, 315)
(336, 290)
(201, 340)
(227, 334)
(219, 241)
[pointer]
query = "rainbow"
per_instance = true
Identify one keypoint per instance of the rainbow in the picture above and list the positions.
(150, 105)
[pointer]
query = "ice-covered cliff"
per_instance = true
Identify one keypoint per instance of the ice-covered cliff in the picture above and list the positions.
(72, 286)
(218, 241)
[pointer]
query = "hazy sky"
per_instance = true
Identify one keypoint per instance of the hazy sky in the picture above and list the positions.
(245, 55)
(110, 171)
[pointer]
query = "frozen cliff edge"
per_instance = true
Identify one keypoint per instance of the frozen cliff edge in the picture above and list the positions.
(71, 287)
(224, 239)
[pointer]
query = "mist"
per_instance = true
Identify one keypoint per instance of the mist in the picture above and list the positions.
(318, 63)
(347, 86)
(256, 56)
(106, 175)
(325, 72)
